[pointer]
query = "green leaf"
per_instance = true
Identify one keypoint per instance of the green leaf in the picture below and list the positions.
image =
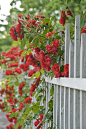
(42, 38)
(23, 53)
(50, 104)
(23, 41)
(45, 21)
(35, 42)
(38, 103)
(42, 71)
(37, 74)
(47, 116)
(28, 110)
(46, 31)
(52, 75)
(3, 85)
(29, 51)
(30, 39)
(58, 58)
(34, 93)
(28, 122)
(35, 109)
(16, 126)
(52, 18)
(12, 115)
(32, 76)
(52, 90)
(21, 121)
(62, 68)
(39, 98)
(58, 37)
(16, 114)
(41, 107)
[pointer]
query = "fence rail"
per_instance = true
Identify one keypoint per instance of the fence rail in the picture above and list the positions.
(69, 99)
(69, 107)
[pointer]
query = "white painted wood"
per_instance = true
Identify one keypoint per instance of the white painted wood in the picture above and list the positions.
(67, 41)
(82, 69)
(64, 105)
(68, 108)
(80, 109)
(56, 104)
(77, 47)
(71, 59)
(74, 113)
(60, 109)
(83, 56)
(84, 110)
(75, 83)
(49, 97)
(54, 107)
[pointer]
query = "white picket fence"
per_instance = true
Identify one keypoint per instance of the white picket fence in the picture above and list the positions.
(69, 106)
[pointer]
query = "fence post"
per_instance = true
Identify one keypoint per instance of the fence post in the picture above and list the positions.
(71, 58)
(76, 64)
(67, 41)
(77, 47)
(82, 69)
(83, 56)
(66, 61)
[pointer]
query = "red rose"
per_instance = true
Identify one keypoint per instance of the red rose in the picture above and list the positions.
(62, 32)
(41, 117)
(10, 100)
(21, 106)
(37, 123)
(49, 34)
(10, 126)
(57, 75)
(3, 61)
(20, 88)
(31, 72)
(63, 18)
(9, 119)
(14, 120)
(9, 72)
(12, 33)
(18, 70)
(20, 15)
(28, 100)
(20, 52)
(46, 62)
(66, 68)
(33, 86)
(56, 43)
(19, 127)
(3, 54)
(66, 74)
(55, 68)
(83, 30)
(21, 85)
(68, 12)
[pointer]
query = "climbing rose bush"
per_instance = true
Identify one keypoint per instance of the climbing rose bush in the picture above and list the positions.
(41, 56)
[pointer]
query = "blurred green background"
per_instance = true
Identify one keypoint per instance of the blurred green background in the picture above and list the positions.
(48, 8)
